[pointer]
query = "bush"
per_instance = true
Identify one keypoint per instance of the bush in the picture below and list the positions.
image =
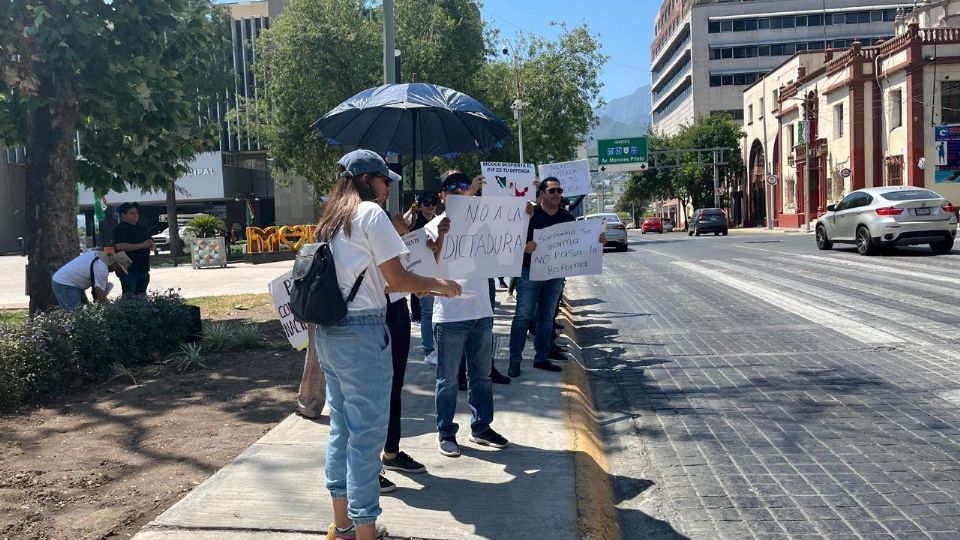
(50, 351)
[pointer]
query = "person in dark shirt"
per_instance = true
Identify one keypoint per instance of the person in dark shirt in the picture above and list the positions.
(538, 298)
(135, 241)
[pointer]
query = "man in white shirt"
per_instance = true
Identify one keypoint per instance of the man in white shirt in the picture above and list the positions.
(463, 326)
(89, 270)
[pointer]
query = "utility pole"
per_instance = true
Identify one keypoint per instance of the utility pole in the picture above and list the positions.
(390, 77)
(806, 177)
(716, 179)
(517, 105)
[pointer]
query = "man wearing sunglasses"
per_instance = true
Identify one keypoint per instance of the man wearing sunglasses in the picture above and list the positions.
(463, 327)
(538, 298)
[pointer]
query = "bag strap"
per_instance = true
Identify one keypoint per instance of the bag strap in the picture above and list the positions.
(356, 284)
(93, 281)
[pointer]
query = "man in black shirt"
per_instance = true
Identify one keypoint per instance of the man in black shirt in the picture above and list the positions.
(538, 298)
(135, 241)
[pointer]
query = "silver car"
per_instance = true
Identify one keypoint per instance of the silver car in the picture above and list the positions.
(873, 218)
(616, 230)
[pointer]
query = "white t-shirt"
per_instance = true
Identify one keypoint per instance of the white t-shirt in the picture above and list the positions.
(373, 241)
(473, 304)
(76, 273)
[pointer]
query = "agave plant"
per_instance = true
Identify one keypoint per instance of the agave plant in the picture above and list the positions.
(206, 226)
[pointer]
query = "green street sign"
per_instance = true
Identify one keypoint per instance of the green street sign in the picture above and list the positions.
(619, 151)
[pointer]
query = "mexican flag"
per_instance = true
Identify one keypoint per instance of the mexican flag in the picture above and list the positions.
(99, 207)
(249, 212)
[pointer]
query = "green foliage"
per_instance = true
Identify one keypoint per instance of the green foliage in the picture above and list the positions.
(206, 226)
(310, 64)
(221, 336)
(49, 351)
(190, 357)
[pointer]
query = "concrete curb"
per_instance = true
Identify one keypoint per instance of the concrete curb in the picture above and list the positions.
(595, 506)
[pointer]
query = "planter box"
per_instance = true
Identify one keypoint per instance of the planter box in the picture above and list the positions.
(208, 252)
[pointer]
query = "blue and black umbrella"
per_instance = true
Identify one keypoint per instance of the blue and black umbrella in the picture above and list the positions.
(415, 119)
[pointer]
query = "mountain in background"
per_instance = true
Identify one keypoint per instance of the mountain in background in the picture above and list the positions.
(627, 116)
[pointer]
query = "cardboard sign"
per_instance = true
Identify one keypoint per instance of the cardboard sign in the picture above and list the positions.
(295, 330)
(574, 176)
(486, 239)
(567, 249)
(509, 180)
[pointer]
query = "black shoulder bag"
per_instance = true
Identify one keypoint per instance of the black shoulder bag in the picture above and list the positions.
(315, 295)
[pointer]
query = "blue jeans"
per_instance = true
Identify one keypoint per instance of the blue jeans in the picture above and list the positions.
(355, 356)
(426, 324)
(540, 298)
(134, 283)
(68, 296)
(454, 340)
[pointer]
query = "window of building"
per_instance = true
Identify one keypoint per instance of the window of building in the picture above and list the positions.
(791, 137)
(763, 24)
(726, 26)
(726, 53)
(750, 25)
(749, 114)
(761, 108)
(763, 50)
(894, 166)
(950, 102)
(774, 98)
(896, 108)
(814, 20)
(715, 80)
(739, 25)
(838, 121)
(800, 20)
(713, 27)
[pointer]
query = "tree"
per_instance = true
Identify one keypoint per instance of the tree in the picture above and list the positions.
(108, 71)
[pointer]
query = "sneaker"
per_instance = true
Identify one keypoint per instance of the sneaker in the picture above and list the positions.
(403, 463)
(448, 446)
(351, 533)
(547, 365)
(498, 378)
(489, 437)
(386, 486)
(514, 370)
(431, 358)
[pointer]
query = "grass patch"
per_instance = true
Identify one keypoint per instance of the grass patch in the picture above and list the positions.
(250, 307)
(14, 316)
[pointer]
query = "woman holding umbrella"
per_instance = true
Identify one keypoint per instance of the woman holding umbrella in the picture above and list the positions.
(355, 352)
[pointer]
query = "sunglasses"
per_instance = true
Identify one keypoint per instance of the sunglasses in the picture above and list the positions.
(428, 203)
(464, 185)
(555, 191)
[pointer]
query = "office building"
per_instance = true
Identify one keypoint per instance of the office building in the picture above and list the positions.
(706, 52)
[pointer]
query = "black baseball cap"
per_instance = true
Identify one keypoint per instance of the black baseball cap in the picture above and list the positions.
(128, 205)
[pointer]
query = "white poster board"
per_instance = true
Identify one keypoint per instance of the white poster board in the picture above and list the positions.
(419, 258)
(486, 239)
(509, 180)
(566, 250)
(574, 176)
(295, 330)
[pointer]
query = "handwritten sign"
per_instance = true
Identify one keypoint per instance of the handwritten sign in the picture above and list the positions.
(509, 180)
(295, 330)
(486, 239)
(419, 259)
(567, 249)
(574, 176)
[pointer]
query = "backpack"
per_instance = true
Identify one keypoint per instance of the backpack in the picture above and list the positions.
(315, 295)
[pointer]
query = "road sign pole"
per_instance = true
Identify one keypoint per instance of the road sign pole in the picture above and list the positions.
(716, 180)
(770, 190)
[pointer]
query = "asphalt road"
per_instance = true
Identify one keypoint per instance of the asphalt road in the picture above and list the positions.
(753, 386)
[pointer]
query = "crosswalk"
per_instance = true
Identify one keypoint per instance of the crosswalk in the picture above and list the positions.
(873, 301)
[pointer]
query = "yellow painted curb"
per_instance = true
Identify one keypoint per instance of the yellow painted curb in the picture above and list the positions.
(595, 507)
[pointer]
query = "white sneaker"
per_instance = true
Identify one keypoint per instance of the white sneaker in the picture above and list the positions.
(431, 358)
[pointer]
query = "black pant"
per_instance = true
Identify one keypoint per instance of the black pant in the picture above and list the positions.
(398, 322)
(415, 307)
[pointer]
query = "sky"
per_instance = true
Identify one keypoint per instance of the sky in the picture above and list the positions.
(624, 29)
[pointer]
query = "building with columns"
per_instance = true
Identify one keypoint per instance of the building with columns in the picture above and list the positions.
(830, 122)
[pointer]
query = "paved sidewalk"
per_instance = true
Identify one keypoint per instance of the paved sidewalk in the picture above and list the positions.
(274, 490)
(236, 278)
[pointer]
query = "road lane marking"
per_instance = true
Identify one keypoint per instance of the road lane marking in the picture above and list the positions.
(814, 313)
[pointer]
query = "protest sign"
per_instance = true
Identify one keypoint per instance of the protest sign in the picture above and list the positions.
(486, 239)
(509, 180)
(574, 176)
(567, 249)
(295, 330)
(419, 259)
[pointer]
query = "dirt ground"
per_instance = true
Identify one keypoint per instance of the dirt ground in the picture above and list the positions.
(104, 460)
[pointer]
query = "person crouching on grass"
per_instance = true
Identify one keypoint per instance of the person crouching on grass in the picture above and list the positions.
(354, 353)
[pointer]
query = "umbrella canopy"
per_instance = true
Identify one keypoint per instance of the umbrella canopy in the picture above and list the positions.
(415, 119)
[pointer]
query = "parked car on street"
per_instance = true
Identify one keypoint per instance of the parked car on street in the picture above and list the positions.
(161, 240)
(872, 218)
(668, 225)
(616, 230)
(651, 224)
(708, 220)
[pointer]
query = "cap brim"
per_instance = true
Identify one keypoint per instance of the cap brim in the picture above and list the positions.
(394, 177)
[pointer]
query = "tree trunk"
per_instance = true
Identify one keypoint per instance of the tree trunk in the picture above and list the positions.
(173, 227)
(51, 172)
